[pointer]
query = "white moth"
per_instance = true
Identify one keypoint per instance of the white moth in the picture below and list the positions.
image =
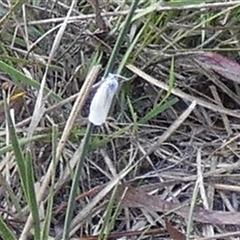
(102, 100)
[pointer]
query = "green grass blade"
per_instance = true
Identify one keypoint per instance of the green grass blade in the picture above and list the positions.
(106, 227)
(82, 151)
(16, 149)
(121, 36)
(24, 62)
(19, 79)
(25, 172)
(32, 200)
(130, 49)
(98, 142)
(159, 108)
(132, 111)
(117, 209)
(22, 142)
(164, 104)
(6, 233)
(47, 221)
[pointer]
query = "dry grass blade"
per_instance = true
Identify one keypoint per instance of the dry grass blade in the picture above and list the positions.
(227, 187)
(88, 209)
(208, 229)
(225, 119)
(51, 108)
(159, 7)
(81, 99)
(39, 106)
(181, 94)
(124, 234)
(174, 126)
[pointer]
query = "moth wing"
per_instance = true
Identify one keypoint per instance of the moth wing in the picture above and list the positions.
(107, 101)
(98, 114)
(101, 102)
